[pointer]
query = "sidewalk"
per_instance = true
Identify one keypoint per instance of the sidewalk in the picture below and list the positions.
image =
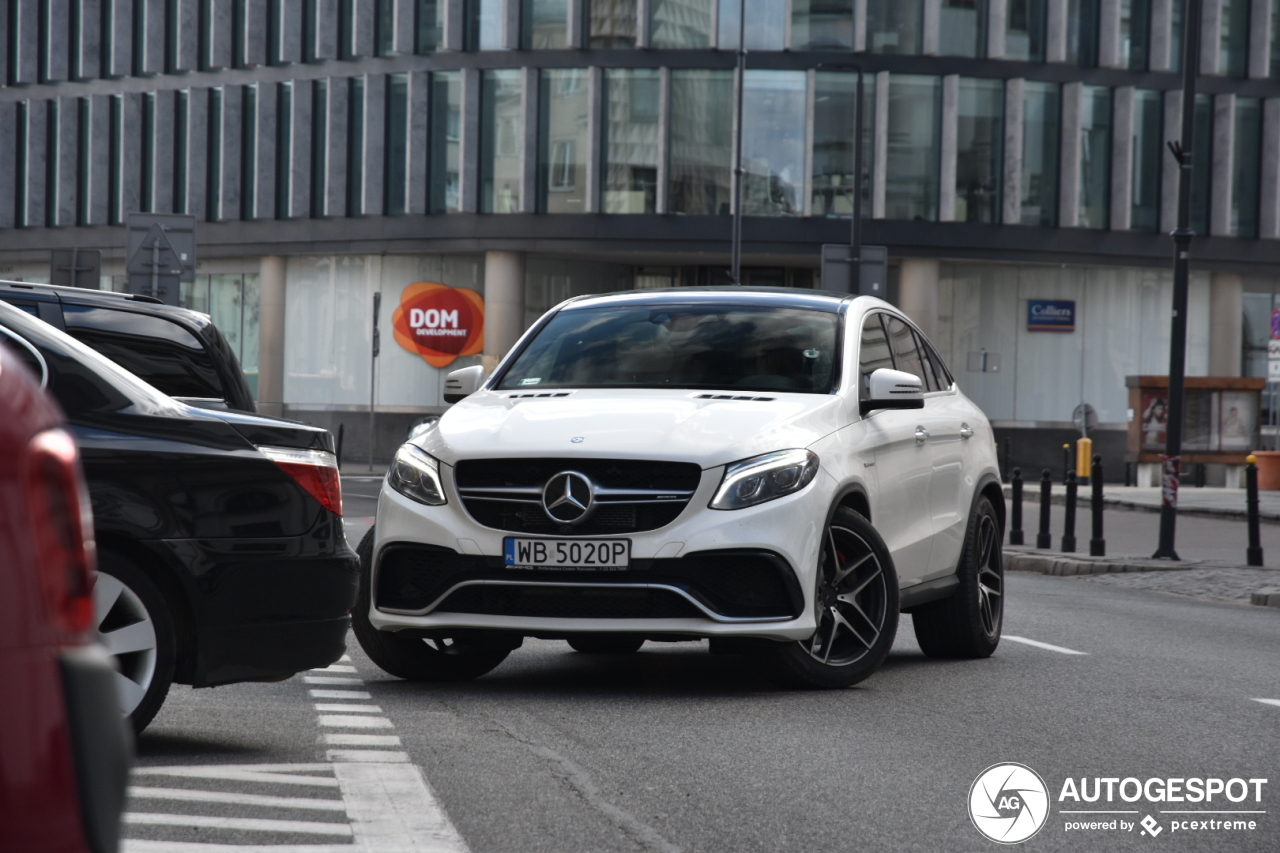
(1207, 501)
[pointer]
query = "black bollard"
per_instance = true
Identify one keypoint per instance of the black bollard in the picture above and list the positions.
(1066, 461)
(1097, 544)
(1043, 539)
(1253, 556)
(1069, 527)
(1015, 515)
(1128, 473)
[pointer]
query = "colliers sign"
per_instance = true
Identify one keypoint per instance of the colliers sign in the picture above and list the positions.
(1051, 315)
(439, 322)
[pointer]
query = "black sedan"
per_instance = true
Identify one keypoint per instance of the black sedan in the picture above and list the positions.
(221, 553)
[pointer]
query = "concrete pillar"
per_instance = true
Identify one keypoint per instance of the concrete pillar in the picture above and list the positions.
(1055, 46)
(197, 190)
(266, 134)
(363, 25)
(67, 163)
(162, 158)
(511, 24)
(187, 55)
(1159, 57)
(529, 148)
(1210, 35)
(300, 155)
(664, 133)
(8, 154)
(254, 36)
(469, 143)
(503, 304)
(37, 164)
(1169, 166)
(643, 10)
(880, 163)
(403, 30)
(454, 14)
(271, 279)
(325, 45)
(1220, 200)
(4, 51)
(594, 155)
(99, 159)
(58, 42)
(372, 178)
(87, 49)
(220, 35)
(918, 293)
(1109, 34)
(1121, 158)
(947, 160)
(152, 32)
(1226, 331)
(1260, 40)
(419, 141)
(1069, 157)
(1269, 195)
(290, 44)
(337, 118)
(120, 62)
(130, 154)
(930, 27)
(859, 25)
(231, 135)
(25, 40)
(1011, 191)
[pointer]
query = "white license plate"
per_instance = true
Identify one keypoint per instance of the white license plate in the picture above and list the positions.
(597, 554)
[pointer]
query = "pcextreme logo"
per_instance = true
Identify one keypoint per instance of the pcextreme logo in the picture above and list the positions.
(439, 322)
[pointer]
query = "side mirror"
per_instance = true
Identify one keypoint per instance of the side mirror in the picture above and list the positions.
(463, 383)
(893, 389)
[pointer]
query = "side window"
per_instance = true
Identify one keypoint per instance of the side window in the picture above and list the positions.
(905, 355)
(873, 353)
(154, 349)
(933, 362)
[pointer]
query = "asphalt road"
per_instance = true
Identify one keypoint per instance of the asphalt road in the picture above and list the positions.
(675, 749)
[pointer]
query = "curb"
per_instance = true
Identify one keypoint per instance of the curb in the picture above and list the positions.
(1266, 597)
(1054, 564)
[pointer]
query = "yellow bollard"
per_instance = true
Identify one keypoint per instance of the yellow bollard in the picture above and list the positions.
(1084, 457)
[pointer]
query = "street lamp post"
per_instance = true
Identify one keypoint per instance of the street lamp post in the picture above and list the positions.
(1183, 152)
(735, 271)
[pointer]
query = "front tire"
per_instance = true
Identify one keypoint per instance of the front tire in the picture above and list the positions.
(606, 644)
(967, 624)
(413, 658)
(132, 620)
(856, 608)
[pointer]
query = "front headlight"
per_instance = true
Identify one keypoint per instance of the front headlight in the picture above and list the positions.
(763, 478)
(416, 475)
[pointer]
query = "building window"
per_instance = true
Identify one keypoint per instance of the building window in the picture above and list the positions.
(1202, 164)
(773, 107)
(1275, 39)
(1233, 39)
(766, 24)
(894, 26)
(384, 27)
(213, 158)
(82, 160)
(248, 152)
(680, 23)
(1245, 167)
(147, 191)
(396, 192)
(1025, 32)
(355, 146)
(833, 155)
(979, 148)
(1135, 33)
(181, 166)
(284, 148)
(1082, 32)
(501, 135)
(53, 142)
(1175, 38)
(822, 24)
(962, 30)
(1041, 120)
(544, 24)
(1148, 156)
(701, 142)
(319, 146)
(115, 157)
(1095, 157)
(430, 25)
(484, 24)
(446, 124)
(612, 23)
(630, 167)
(562, 141)
(914, 149)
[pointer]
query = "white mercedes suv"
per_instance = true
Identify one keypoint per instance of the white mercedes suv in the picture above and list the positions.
(779, 472)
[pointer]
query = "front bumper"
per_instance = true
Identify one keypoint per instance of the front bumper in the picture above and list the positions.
(787, 530)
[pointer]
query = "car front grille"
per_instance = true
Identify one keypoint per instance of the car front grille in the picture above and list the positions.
(570, 602)
(631, 495)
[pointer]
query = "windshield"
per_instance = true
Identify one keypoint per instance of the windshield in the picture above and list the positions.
(681, 346)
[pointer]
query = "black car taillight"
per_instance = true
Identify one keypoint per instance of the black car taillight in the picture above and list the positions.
(62, 528)
(316, 471)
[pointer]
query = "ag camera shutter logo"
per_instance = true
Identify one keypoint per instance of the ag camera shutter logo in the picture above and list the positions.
(1008, 803)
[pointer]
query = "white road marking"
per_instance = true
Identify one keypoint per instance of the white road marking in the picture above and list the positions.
(345, 659)
(392, 807)
(347, 708)
(340, 694)
(376, 756)
(1275, 702)
(274, 773)
(334, 667)
(329, 679)
(1040, 645)
(361, 740)
(354, 721)
(256, 824)
(188, 795)
(136, 845)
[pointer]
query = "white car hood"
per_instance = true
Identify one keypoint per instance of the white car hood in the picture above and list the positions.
(664, 425)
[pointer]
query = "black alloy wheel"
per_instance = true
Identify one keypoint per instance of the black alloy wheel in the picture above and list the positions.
(968, 623)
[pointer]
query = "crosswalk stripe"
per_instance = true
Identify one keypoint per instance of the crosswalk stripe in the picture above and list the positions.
(1275, 702)
(348, 708)
(354, 721)
(138, 845)
(361, 740)
(376, 756)
(329, 679)
(335, 668)
(272, 773)
(255, 824)
(192, 796)
(340, 694)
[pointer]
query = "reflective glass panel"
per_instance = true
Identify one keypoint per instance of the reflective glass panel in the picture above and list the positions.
(612, 23)
(979, 146)
(544, 24)
(1148, 156)
(914, 147)
(1202, 165)
(446, 125)
(894, 26)
(766, 24)
(1245, 167)
(1041, 112)
(680, 23)
(1233, 38)
(563, 146)
(1175, 38)
(1082, 32)
(819, 24)
(630, 168)
(355, 147)
(501, 135)
(701, 146)
(1095, 157)
(833, 154)
(484, 24)
(430, 25)
(962, 29)
(1024, 35)
(396, 191)
(1135, 33)
(1275, 39)
(773, 143)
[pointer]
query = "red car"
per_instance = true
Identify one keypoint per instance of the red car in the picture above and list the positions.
(64, 750)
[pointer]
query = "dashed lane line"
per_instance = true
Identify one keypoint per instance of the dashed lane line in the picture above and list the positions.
(1040, 645)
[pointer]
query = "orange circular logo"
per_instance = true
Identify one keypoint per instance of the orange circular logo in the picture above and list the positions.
(439, 322)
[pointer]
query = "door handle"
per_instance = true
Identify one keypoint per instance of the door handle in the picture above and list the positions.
(922, 435)
(966, 431)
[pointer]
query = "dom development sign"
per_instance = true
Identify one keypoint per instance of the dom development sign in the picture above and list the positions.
(438, 322)
(1051, 315)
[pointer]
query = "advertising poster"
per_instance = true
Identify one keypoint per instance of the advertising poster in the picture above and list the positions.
(1155, 417)
(1238, 421)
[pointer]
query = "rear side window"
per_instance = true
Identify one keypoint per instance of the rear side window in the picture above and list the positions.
(905, 355)
(933, 363)
(156, 350)
(873, 354)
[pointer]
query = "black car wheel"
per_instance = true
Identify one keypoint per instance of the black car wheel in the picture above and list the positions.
(855, 606)
(413, 658)
(968, 623)
(133, 622)
(606, 644)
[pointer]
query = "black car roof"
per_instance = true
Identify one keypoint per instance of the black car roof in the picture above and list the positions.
(106, 298)
(773, 297)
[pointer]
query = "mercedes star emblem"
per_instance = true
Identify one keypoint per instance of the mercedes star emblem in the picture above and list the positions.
(568, 497)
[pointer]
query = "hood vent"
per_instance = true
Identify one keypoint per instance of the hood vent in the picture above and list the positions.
(735, 397)
(528, 394)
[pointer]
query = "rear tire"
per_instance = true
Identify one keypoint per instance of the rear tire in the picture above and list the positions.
(413, 658)
(606, 644)
(856, 608)
(131, 617)
(967, 624)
